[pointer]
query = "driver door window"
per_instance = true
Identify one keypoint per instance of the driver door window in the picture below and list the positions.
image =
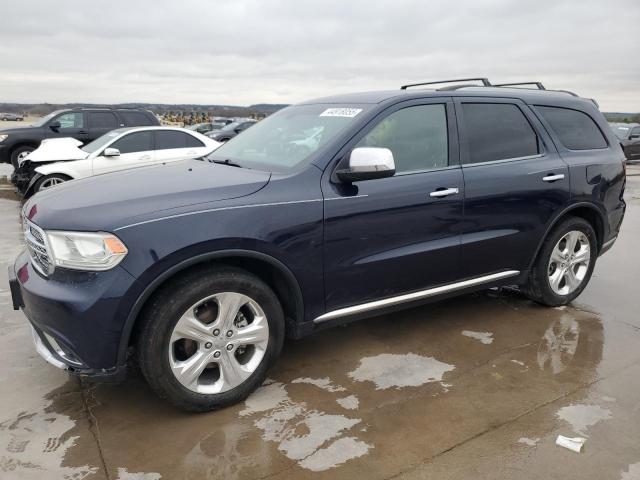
(70, 121)
(417, 136)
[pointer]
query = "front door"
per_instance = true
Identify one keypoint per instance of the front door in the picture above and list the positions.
(515, 184)
(390, 236)
(136, 150)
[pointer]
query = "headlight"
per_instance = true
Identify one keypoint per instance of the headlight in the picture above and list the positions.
(86, 251)
(3, 137)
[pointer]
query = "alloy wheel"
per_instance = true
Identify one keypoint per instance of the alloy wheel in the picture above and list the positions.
(51, 182)
(569, 262)
(218, 343)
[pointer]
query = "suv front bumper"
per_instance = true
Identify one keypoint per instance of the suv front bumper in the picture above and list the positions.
(75, 316)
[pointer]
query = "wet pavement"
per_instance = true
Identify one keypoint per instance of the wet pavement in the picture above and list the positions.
(474, 387)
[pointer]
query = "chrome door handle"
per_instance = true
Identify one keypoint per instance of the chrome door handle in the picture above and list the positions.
(444, 192)
(553, 178)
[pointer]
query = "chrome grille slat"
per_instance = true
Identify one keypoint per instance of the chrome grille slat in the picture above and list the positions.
(37, 247)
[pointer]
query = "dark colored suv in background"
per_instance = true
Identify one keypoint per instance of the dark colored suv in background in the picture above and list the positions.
(325, 212)
(629, 135)
(84, 124)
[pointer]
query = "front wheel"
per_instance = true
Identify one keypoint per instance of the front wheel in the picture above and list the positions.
(209, 337)
(49, 181)
(564, 264)
(19, 154)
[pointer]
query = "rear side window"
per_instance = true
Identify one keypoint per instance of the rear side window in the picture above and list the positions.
(576, 130)
(136, 119)
(417, 136)
(166, 140)
(498, 131)
(134, 142)
(103, 120)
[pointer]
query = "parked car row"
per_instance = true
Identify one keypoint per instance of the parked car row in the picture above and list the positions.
(230, 130)
(58, 160)
(83, 124)
(629, 135)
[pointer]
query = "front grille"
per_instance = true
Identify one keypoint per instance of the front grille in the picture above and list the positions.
(37, 248)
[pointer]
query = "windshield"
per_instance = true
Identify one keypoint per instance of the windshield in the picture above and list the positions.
(230, 126)
(45, 119)
(100, 142)
(288, 138)
(621, 131)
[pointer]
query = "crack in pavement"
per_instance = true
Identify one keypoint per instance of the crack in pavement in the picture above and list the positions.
(94, 428)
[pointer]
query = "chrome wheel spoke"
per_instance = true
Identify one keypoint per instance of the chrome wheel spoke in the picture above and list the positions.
(556, 278)
(571, 280)
(190, 327)
(572, 240)
(557, 256)
(583, 255)
(232, 373)
(255, 333)
(229, 306)
(188, 371)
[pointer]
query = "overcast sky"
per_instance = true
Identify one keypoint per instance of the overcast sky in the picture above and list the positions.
(283, 51)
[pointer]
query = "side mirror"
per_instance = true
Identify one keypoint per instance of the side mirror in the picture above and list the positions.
(237, 130)
(368, 163)
(55, 126)
(111, 152)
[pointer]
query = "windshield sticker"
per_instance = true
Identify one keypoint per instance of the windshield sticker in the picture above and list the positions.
(341, 112)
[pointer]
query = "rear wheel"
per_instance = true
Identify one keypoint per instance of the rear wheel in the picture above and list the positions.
(209, 337)
(564, 264)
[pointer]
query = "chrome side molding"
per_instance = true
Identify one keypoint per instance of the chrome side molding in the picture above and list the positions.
(408, 297)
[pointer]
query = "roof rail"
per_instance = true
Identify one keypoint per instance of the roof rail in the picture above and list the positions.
(538, 85)
(485, 82)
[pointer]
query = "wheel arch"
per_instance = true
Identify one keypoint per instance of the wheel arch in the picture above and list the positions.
(584, 210)
(269, 269)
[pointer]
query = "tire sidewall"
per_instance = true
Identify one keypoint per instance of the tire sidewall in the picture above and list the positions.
(155, 351)
(18, 151)
(578, 224)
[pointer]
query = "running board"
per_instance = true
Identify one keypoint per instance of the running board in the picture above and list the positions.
(409, 297)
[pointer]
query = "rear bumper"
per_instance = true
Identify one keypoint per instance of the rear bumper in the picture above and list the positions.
(74, 315)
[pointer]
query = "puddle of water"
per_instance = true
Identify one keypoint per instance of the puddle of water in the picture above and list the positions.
(397, 371)
(581, 417)
(123, 474)
(483, 337)
(37, 442)
(316, 440)
(559, 344)
(323, 383)
(350, 403)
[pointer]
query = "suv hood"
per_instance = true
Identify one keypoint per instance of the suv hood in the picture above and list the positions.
(106, 202)
(57, 150)
(9, 131)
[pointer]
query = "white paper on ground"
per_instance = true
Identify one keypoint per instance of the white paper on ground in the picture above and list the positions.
(574, 444)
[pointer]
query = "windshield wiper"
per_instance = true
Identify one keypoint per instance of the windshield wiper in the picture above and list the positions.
(227, 161)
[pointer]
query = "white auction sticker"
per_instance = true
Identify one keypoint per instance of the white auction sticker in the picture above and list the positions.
(341, 112)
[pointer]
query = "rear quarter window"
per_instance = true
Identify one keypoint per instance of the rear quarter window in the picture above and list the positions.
(576, 130)
(136, 119)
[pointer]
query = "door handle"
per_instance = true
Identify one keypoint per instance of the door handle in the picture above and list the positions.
(82, 132)
(445, 192)
(145, 157)
(192, 152)
(553, 178)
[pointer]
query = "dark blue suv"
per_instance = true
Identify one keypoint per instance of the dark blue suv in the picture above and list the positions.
(325, 212)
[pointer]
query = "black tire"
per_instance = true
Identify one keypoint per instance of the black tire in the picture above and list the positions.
(160, 316)
(54, 176)
(17, 152)
(538, 287)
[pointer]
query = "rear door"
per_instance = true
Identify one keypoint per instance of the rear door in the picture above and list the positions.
(136, 150)
(100, 123)
(395, 235)
(172, 145)
(515, 183)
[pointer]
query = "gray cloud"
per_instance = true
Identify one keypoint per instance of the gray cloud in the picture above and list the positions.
(249, 51)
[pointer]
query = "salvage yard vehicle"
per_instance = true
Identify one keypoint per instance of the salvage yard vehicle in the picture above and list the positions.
(15, 117)
(205, 127)
(84, 124)
(62, 159)
(198, 270)
(230, 130)
(629, 135)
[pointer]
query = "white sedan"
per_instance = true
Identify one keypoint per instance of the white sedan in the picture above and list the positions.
(65, 159)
